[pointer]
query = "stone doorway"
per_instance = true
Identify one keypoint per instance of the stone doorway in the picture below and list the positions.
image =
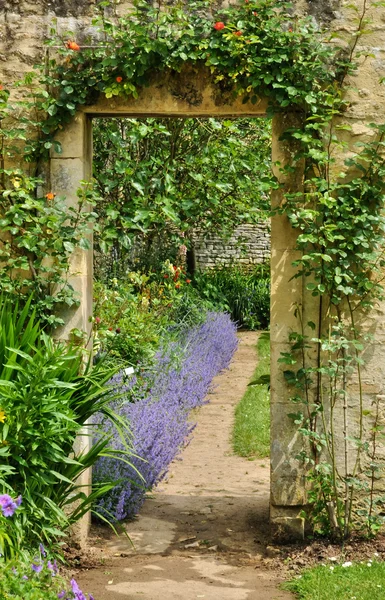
(190, 94)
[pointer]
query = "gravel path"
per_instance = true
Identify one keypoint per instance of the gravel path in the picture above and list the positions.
(203, 533)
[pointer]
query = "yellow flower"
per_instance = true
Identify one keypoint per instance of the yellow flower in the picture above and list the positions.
(2, 416)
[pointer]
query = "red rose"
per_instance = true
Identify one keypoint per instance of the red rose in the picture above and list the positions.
(72, 45)
(219, 25)
(119, 79)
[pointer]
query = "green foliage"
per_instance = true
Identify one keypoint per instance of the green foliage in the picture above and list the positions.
(364, 581)
(18, 581)
(132, 317)
(262, 51)
(173, 175)
(251, 433)
(39, 236)
(245, 294)
(47, 396)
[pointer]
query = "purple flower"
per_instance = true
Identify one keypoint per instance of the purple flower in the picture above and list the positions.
(42, 550)
(77, 591)
(36, 567)
(159, 412)
(18, 500)
(8, 506)
(61, 594)
(52, 566)
(25, 577)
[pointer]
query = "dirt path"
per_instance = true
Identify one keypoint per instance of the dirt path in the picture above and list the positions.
(203, 533)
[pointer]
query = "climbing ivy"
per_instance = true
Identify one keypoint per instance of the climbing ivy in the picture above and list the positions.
(260, 48)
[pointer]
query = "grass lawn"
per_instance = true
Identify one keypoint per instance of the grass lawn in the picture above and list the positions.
(361, 581)
(251, 434)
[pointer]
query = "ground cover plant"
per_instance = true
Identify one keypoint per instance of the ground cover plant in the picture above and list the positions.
(36, 577)
(347, 581)
(27, 576)
(251, 433)
(158, 411)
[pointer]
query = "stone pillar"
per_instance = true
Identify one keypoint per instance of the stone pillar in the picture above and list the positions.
(67, 170)
(288, 478)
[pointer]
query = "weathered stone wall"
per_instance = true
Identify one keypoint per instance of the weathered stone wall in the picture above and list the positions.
(248, 245)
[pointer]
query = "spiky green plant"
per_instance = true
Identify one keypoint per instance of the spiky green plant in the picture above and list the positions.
(47, 397)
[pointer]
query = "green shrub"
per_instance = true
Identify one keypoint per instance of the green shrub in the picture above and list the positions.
(243, 293)
(47, 396)
(133, 316)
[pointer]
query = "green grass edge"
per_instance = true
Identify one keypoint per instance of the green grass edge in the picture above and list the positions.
(251, 431)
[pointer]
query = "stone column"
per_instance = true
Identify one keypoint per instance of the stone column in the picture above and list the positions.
(288, 478)
(67, 170)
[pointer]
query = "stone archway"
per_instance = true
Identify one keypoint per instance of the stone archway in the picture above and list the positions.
(189, 94)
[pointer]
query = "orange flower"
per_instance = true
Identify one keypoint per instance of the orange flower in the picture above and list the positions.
(238, 33)
(119, 79)
(188, 280)
(50, 196)
(72, 45)
(177, 285)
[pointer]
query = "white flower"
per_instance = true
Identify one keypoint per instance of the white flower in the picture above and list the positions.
(331, 568)
(333, 558)
(369, 564)
(348, 563)
(129, 371)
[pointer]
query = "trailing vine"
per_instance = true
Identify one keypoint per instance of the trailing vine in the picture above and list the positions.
(262, 49)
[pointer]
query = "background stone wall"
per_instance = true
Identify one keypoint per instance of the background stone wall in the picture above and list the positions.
(248, 245)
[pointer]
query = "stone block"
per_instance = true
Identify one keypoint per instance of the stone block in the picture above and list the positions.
(287, 530)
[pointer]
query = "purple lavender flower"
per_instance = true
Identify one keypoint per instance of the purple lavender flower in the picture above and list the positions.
(77, 591)
(61, 594)
(159, 413)
(37, 567)
(52, 566)
(42, 550)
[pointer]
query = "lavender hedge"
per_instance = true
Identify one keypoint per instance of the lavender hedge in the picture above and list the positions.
(159, 414)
